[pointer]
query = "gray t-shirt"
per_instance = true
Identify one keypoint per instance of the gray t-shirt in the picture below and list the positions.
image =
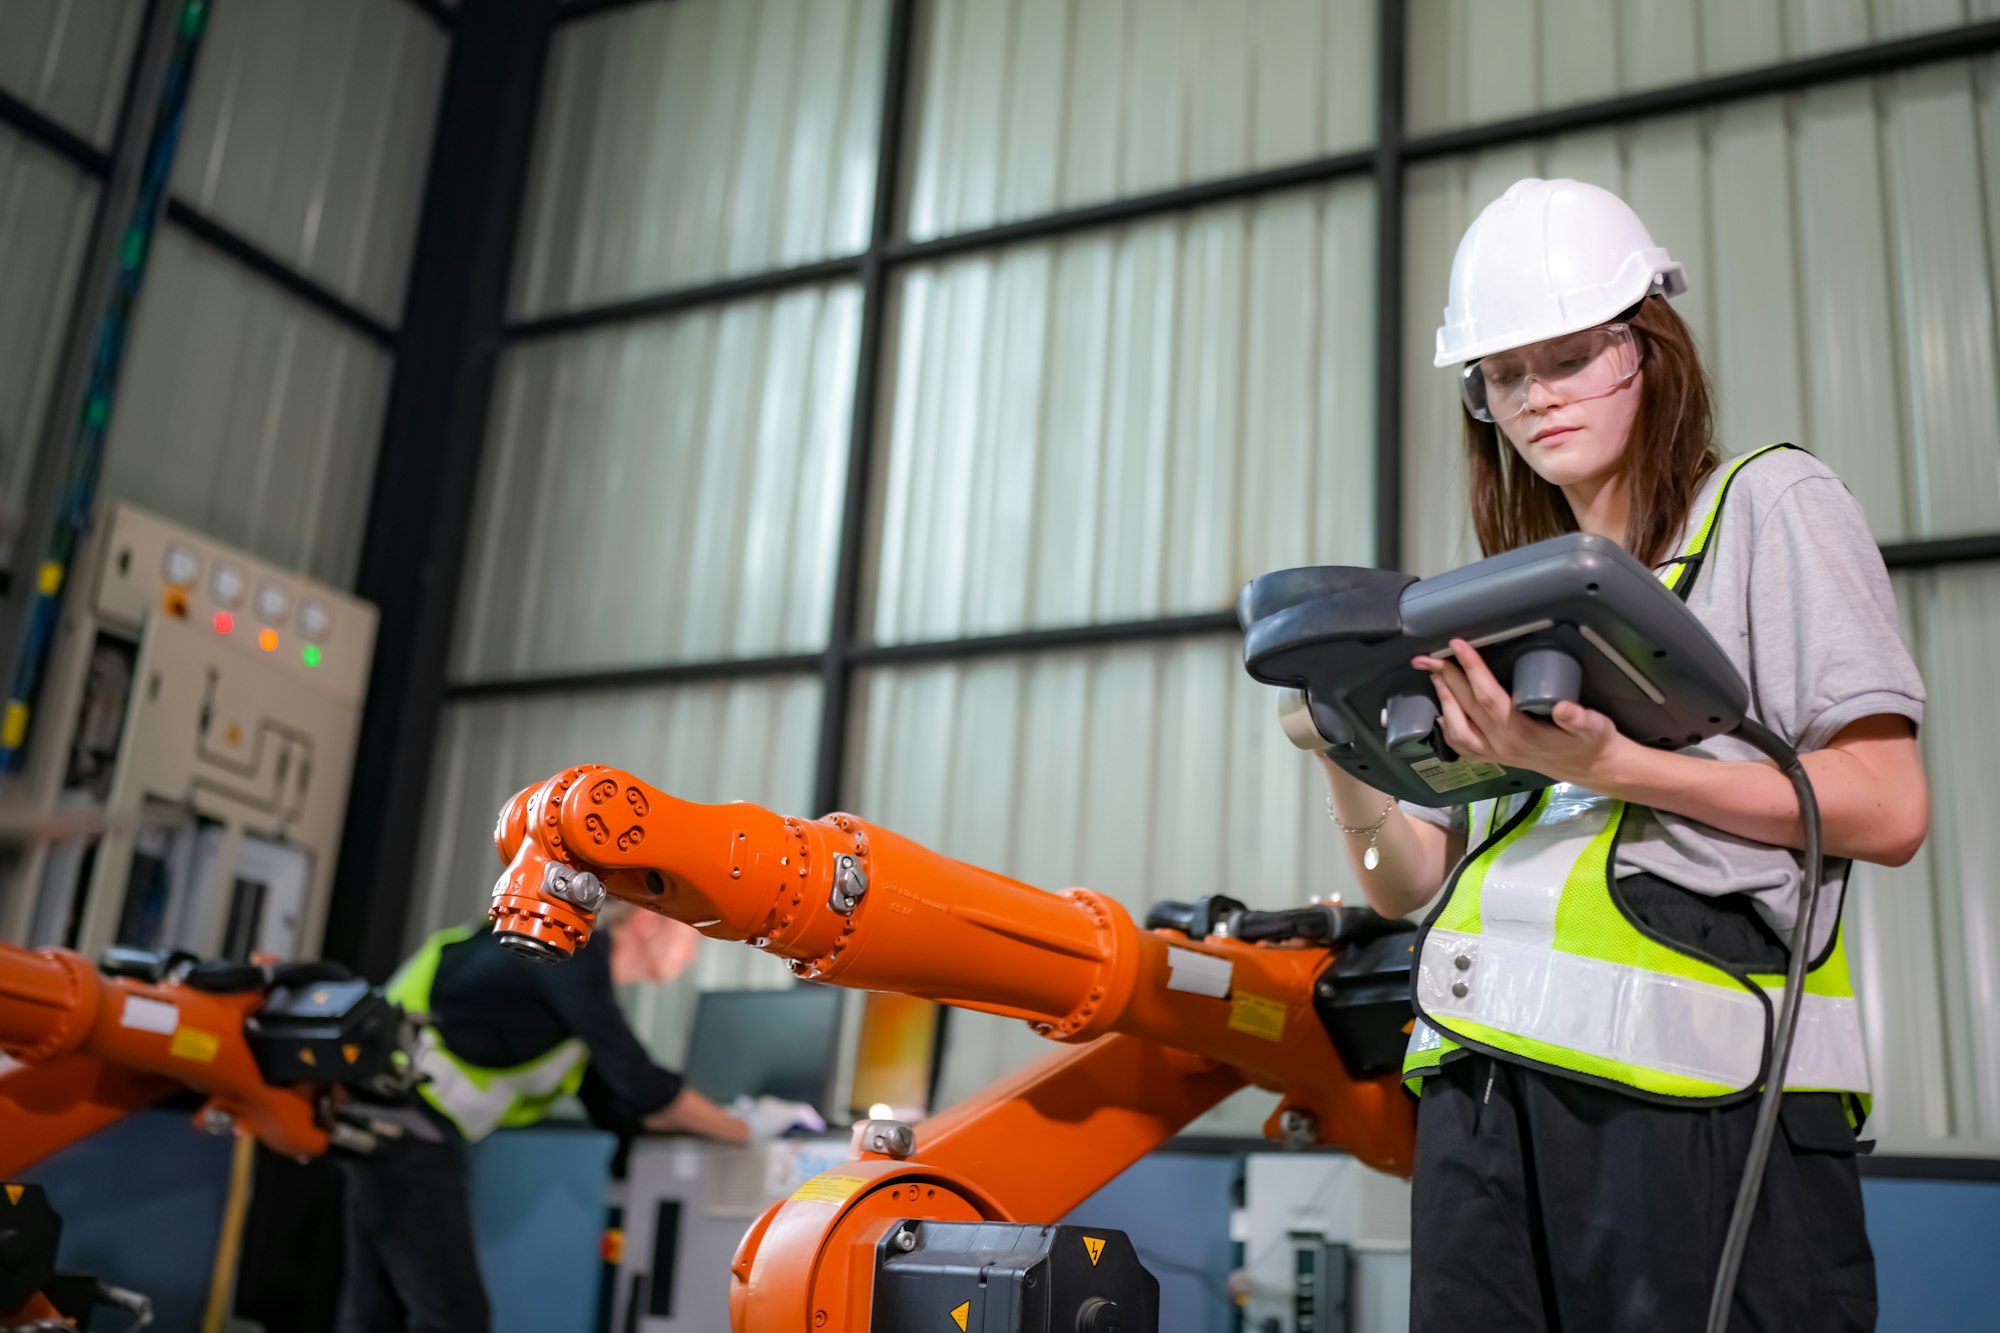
(1794, 589)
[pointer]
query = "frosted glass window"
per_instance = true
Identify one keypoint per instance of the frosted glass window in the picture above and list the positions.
(69, 59)
(45, 213)
(309, 132)
(1148, 772)
(668, 490)
(1475, 61)
(1864, 332)
(690, 141)
(1034, 107)
(1129, 423)
(749, 741)
(247, 414)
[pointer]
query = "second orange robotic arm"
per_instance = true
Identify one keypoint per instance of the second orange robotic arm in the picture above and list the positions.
(846, 902)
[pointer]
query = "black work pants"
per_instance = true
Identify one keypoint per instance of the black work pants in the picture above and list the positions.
(410, 1266)
(1542, 1203)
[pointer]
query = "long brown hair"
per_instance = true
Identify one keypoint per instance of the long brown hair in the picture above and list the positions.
(1669, 454)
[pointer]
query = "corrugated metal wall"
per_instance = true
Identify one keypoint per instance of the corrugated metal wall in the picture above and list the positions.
(246, 413)
(68, 59)
(664, 491)
(1925, 937)
(45, 211)
(1866, 334)
(1031, 107)
(1149, 772)
(749, 741)
(308, 133)
(1482, 60)
(242, 409)
(1129, 424)
(688, 141)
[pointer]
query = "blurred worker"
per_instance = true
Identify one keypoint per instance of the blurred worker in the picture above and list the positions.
(506, 1038)
(1594, 1025)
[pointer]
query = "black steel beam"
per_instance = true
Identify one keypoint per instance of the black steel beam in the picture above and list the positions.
(1138, 207)
(837, 676)
(1932, 552)
(1046, 640)
(631, 678)
(267, 266)
(38, 127)
(420, 509)
(1393, 26)
(1787, 77)
(686, 298)
(580, 9)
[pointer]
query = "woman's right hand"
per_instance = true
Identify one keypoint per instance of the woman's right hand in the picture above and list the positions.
(1414, 855)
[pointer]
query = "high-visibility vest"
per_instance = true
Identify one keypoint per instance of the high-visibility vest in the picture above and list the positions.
(1531, 957)
(476, 1099)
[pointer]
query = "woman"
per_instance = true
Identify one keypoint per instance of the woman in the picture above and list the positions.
(1582, 1129)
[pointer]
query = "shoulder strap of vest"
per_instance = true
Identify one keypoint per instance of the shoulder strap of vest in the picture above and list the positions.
(1683, 570)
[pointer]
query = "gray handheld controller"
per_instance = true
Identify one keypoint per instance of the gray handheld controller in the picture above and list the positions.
(1575, 617)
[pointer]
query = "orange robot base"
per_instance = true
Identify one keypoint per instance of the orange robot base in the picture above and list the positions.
(1160, 1027)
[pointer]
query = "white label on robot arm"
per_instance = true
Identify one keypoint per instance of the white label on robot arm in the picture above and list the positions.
(1197, 973)
(149, 1015)
(1442, 777)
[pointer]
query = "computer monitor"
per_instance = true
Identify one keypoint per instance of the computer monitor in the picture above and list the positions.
(767, 1043)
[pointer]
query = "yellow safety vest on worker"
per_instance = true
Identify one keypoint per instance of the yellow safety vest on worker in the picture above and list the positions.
(475, 1099)
(1531, 957)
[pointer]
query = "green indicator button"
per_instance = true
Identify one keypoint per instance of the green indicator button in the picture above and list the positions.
(310, 654)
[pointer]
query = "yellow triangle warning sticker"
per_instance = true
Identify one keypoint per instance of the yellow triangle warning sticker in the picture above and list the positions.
(14, 1193)
(352, 1052)
(305, 1054)
(1096, 1248)
(961, 1314)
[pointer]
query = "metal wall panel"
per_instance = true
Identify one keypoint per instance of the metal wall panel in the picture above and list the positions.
(751, 741)
(689, 141)
(68, 59)
(1041, 105)
(662, 491)
(1474, 61)
(1866, 334)
(309, 132)
(46, 207)
(246, 413)
(1129, 423)
(1924, 938)
(1149, 772)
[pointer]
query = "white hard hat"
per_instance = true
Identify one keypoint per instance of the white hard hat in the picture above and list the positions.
(1544, 259)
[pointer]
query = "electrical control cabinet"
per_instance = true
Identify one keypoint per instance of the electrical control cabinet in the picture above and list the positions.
(197, 729)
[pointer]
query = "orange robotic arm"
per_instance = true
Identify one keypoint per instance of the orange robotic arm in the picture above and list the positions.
(1164, 1026)
(88, 1049)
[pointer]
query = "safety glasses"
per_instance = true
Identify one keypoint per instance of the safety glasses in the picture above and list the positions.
(1573, 368)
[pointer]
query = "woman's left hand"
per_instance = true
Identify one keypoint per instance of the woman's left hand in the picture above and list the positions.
(1481, 723)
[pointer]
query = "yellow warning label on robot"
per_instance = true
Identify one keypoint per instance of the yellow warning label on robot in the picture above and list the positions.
(829, 1189)
(961, 1314)
(14, 1193)
(350, 1052)
(1257, 1016)
(194, 1044)
(306, 1055)
(1096, 1248)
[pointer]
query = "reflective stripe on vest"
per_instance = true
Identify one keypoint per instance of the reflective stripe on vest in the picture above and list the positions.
(1531, 956)
(475, 1099)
